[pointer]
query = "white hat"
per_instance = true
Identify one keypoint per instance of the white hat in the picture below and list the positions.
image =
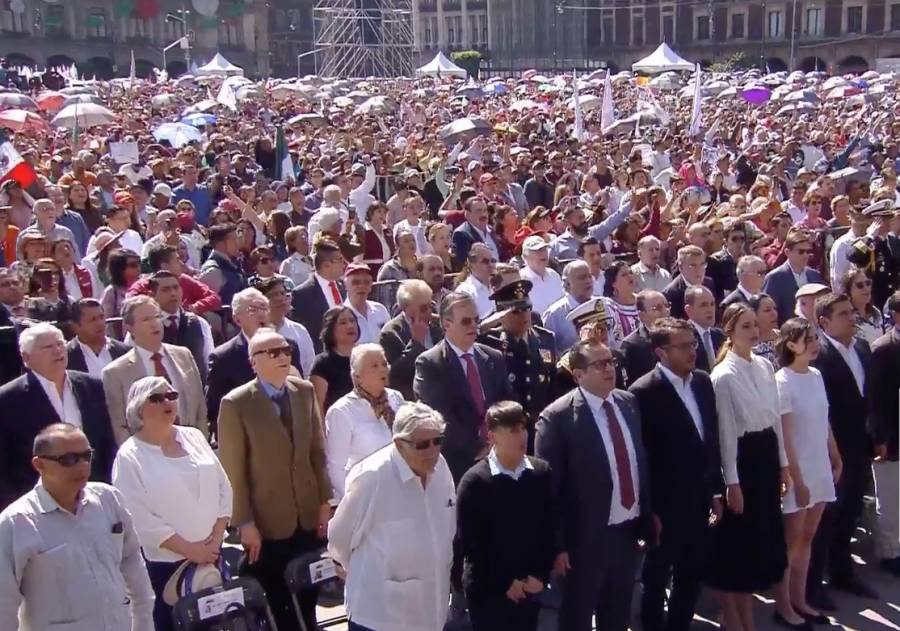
(534, 243)
(190, 578)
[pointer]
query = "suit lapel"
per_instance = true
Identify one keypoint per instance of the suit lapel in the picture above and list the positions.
(687, 421)
(456, 367)
(590, 433)
(45, 411)
(265, 409)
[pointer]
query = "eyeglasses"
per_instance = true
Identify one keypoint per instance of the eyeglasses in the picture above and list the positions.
(72, 458)
(467, 321)
(490, 261)
(422, 445)
(273, 353)
(665, 306)
(737, 237)
(684, 346)
(603, 364)
(863, 284)
(159, 397)
(256, 309)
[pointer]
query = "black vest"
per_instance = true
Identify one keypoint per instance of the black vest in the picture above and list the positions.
(189, 336)
(232, 276)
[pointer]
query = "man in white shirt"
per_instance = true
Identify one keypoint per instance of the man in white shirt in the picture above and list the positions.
(413, 207)
(478, 283)
(362, 181)
(838, 264)
(648, 274)
(119, 220)
(370, 315)
(547, 286)
(91, 350)
(279, 307)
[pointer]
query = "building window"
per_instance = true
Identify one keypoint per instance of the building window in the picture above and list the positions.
(95, 22)
(815, 23)
(895, 17)
(482, 21)
(609, 29)
(473, 29)
(702, 32)
(668, 24)
(231, 33)
(637, 30)
(426, 28)
(460, 34)
(451, 32)
(12, 22)
(139, 28)
(776, 25)
(854, 19)
(738, 21)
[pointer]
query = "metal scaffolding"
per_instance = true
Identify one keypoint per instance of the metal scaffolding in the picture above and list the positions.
(361, 38)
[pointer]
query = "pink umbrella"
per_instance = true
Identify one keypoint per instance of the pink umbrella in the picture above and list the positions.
(756, 94)
(50, 101)
(20, 120)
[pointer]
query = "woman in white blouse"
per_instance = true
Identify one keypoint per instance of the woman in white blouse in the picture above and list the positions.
(359, 423)
(173, 485)
(749, 546)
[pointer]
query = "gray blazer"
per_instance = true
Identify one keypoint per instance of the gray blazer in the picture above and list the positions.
(782, 287)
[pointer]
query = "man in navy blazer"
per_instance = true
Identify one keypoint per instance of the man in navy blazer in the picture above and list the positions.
(318, 293)
(472, 230)
(444, 381)
(692, 267)
(783, 282)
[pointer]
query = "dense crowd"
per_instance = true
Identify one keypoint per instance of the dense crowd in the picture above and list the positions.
(488, 349)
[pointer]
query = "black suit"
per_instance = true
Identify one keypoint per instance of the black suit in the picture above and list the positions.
(229, 367)
(736, 296)
(76, 355)
(603, 558)
(402, 351)
(885, 384)
(27, 411)
(847, 413)
(674, 293)
(10, 360)
(722, 269)
(704, 362)
(309, 304)
(440, 382)
(685, 474)
(463, 237)
(637, 353)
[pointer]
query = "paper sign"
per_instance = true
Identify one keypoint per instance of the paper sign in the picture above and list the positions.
(216, 604)
(322, 571)
(124, 152)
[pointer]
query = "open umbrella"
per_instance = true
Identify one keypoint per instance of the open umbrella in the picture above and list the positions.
(21, 120)
(163, 100)
(178, 134)
(470, 91)
(465, 128)
(374, 106)
(314, 119)
(17, 101)
(796, 106)
(83, 115)
(756, 94)
(588, 102)
(199, 119)
(524, 104)
(728, 92)
(82, 98)
(49, 101)
(802, 95)
(76, 89)
(343, 101)
(835, 82)
(203, 106)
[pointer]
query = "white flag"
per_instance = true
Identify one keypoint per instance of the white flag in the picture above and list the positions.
(710, 137)
(579, 120)
(132, 75)
(607, 110)
(226, 97)
(694, 128)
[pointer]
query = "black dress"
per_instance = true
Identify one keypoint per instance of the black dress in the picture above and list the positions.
(335, 370)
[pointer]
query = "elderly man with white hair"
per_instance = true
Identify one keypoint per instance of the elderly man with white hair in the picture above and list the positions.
(359, 423)
(648, 273)
(579, 285)
(46, 224)
(393, 531)
(174, 487)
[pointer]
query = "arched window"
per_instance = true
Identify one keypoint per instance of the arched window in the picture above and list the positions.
(96, 24)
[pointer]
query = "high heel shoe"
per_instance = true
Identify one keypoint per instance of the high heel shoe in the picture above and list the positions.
(781, 621)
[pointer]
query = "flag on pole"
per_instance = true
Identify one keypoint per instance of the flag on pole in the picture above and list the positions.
(579, 118)
(694, 128)
(226, 97)
(13, 165)
(607, 110)
(710, 137)
(285, 166)
(132, 76)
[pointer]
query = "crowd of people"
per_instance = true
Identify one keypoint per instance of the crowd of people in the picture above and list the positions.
(488, 372)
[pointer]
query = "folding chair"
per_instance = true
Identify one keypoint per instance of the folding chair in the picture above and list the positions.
(220, 608)
(308, 570)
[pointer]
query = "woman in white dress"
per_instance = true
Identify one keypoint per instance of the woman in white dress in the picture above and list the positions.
(359, 423)
(813, 460)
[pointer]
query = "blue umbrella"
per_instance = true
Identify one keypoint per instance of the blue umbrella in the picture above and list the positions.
(199, 119)
(178, 134)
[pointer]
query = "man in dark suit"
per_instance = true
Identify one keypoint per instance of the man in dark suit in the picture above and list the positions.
(722, 266)
(883, 414)
(91, 350)
(410, 334)
(591, 438)
(472, 230)
(783, 282)
(321, 291)
(681, 433)
(180, 327)
(750, 272)
(845, 364)
(229, 363)
(460, 379)
(48, 393)
(637, 353)
(692, 265)
(700, 308)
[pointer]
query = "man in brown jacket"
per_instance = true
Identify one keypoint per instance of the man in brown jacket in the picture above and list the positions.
(272, 446)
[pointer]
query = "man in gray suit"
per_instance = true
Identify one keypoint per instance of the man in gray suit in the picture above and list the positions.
(591, 437)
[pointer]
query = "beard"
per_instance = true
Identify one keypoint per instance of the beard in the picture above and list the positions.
(580, 230)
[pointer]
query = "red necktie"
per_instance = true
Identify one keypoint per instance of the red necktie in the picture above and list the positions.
(335, 294)
(623, 462)
(159, 368)
(474, 380)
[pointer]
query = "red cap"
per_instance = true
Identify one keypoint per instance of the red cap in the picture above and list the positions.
(357, 268)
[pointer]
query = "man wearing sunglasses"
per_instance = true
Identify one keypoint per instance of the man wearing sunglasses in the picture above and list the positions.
(783, 282)
(751, 270)
(68, 549)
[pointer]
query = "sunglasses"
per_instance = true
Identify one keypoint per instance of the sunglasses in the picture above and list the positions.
(273, 353)
(422, 445)
(72, 458)
(862, 284)
(467, 321)
(159, 397)
(603, 364)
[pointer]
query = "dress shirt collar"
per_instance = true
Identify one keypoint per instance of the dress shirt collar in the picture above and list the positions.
(497, 467)
(460, 352)
(478, 231)
(87, 349)
(699, 329)
(49, 386)
(324, 284)
(165, 315)
(838, 345)
(477, 284)
(50, 505)
(744, 291)
(677, 381)
(406, 474)
(271, 391)
(645, 269)
(793, 271)
(596, 402)
(146, 356)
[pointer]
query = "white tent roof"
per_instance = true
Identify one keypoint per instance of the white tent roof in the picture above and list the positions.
(220, 67)
(440, 66)
(661, 60)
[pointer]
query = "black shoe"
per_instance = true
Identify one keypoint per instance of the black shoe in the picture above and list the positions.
(821, 600)
(856, 587)
(891, 566)
(818, 618)
(781, 621)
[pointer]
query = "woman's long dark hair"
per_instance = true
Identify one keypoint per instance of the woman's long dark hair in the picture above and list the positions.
(609, 277)
(329, 322)
(118, 263)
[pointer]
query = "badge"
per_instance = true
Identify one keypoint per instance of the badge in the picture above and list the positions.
(512, 377)
(546, 355)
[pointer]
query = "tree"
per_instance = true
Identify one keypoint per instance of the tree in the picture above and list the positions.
(735, 61)
(469, 60)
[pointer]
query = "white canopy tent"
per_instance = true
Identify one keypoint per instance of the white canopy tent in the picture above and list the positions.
(662, 59)
(218, 66)
(440, 66)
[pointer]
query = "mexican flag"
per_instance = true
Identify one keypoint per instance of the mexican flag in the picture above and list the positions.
(13, 166)
(285, 166)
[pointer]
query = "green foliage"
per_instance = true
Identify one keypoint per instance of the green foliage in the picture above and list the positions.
(735, 61)
(470, 60)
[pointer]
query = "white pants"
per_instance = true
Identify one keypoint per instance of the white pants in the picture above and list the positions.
(887, 534)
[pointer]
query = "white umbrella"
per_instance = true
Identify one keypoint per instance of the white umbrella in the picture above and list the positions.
(246, 92)
(797, 106)
(588, 102)
(835, 82)
(728, 92)
(178, 134)
(802, 95)
(163, 100)
(76, 90)
(714, 87)
(539, 78)
(374, 105)
(82, 98)
(203, 106)
(314, 119)
(665, 82)
(83, 115)
(343, 101)
(842, 92)
(465, 128)
(524, 104)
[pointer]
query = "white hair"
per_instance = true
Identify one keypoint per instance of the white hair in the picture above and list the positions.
(573, 266)
(413, 416)
(29, 337)
(746, 262)
(647, 239)
(138, 395)
(411, 290)
(244, 297)
(331, 190)
(358, 354)
(263, 334)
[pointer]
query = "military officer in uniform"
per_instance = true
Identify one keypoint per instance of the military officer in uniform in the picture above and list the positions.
(529, 350)
(591, 322)
(879, 254)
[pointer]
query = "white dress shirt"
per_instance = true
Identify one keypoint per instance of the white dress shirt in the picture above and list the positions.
(73, 289)
(686, 394)
(325, 285)
(295, 331)
(480, 293)
(497, 467)
(395, 538)
(95, 363)
(851, 358)
(352, 432)
(66, 406)
(172, 496)
(370, 322)
(617, 512)
(145, 357)
(705, 339)
(545, 290)
(799, 277)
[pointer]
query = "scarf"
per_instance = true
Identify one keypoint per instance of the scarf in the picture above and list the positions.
(380, 405)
